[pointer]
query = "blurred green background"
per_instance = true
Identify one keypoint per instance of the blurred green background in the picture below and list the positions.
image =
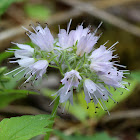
(121, 22)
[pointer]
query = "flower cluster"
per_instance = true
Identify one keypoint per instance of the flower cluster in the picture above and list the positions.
(80, 63)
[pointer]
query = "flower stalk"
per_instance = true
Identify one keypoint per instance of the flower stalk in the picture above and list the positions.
(54, 111)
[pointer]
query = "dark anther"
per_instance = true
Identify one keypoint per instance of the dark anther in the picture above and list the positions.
(30, 24)
(125, 86)
(107, 100)
(46, 23)
(13, 76)
(91, 99)
(89, 32)
(87, 107)
(62, 113)
(25, 86)
(105, 110)
(69, 90)
(35, 78)
(97, 107)
(129, 84)
(95, 112)
(74, 89)
(24, 75)
(109, 73)
(31, 74)
(117, 102)
(29, 32)
(79, 80)
(67, 79)
(38, 22)
(60, 82)
(103, 94)
(38, 30)
(117, 74)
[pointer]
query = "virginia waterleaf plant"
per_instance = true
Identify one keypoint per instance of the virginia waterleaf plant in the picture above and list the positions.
(83, 65)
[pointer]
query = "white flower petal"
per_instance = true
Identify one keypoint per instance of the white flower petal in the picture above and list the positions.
(25, 47)
(25, 62)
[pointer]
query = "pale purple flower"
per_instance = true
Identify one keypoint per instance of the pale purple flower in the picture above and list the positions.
(24, 57)
(66, 38)
(80, 32)
(70, 81)
(24, 51)
(101, 57)
(85, 40)
(86, 44)
(113, 77)
(102, 64)
(71, 78)
(96, 93)
(36, 70)
(42, 37)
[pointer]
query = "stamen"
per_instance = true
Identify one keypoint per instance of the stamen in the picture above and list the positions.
(20, 71)
(105, 42)
(26, 29)
(112, 46)
(68, 27)
(120, 65)
(98, 27)
(98, 101)
(105, 106)
(13, 70)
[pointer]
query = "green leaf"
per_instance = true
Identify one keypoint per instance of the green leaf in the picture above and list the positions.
(39, 12)
(97, 136)
(138, 136)
(3, 78)
(135, 75)
(5, 55)
(7, 96)
(25, 127)
(4, 4)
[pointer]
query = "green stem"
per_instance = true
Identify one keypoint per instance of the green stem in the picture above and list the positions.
(54, 111)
